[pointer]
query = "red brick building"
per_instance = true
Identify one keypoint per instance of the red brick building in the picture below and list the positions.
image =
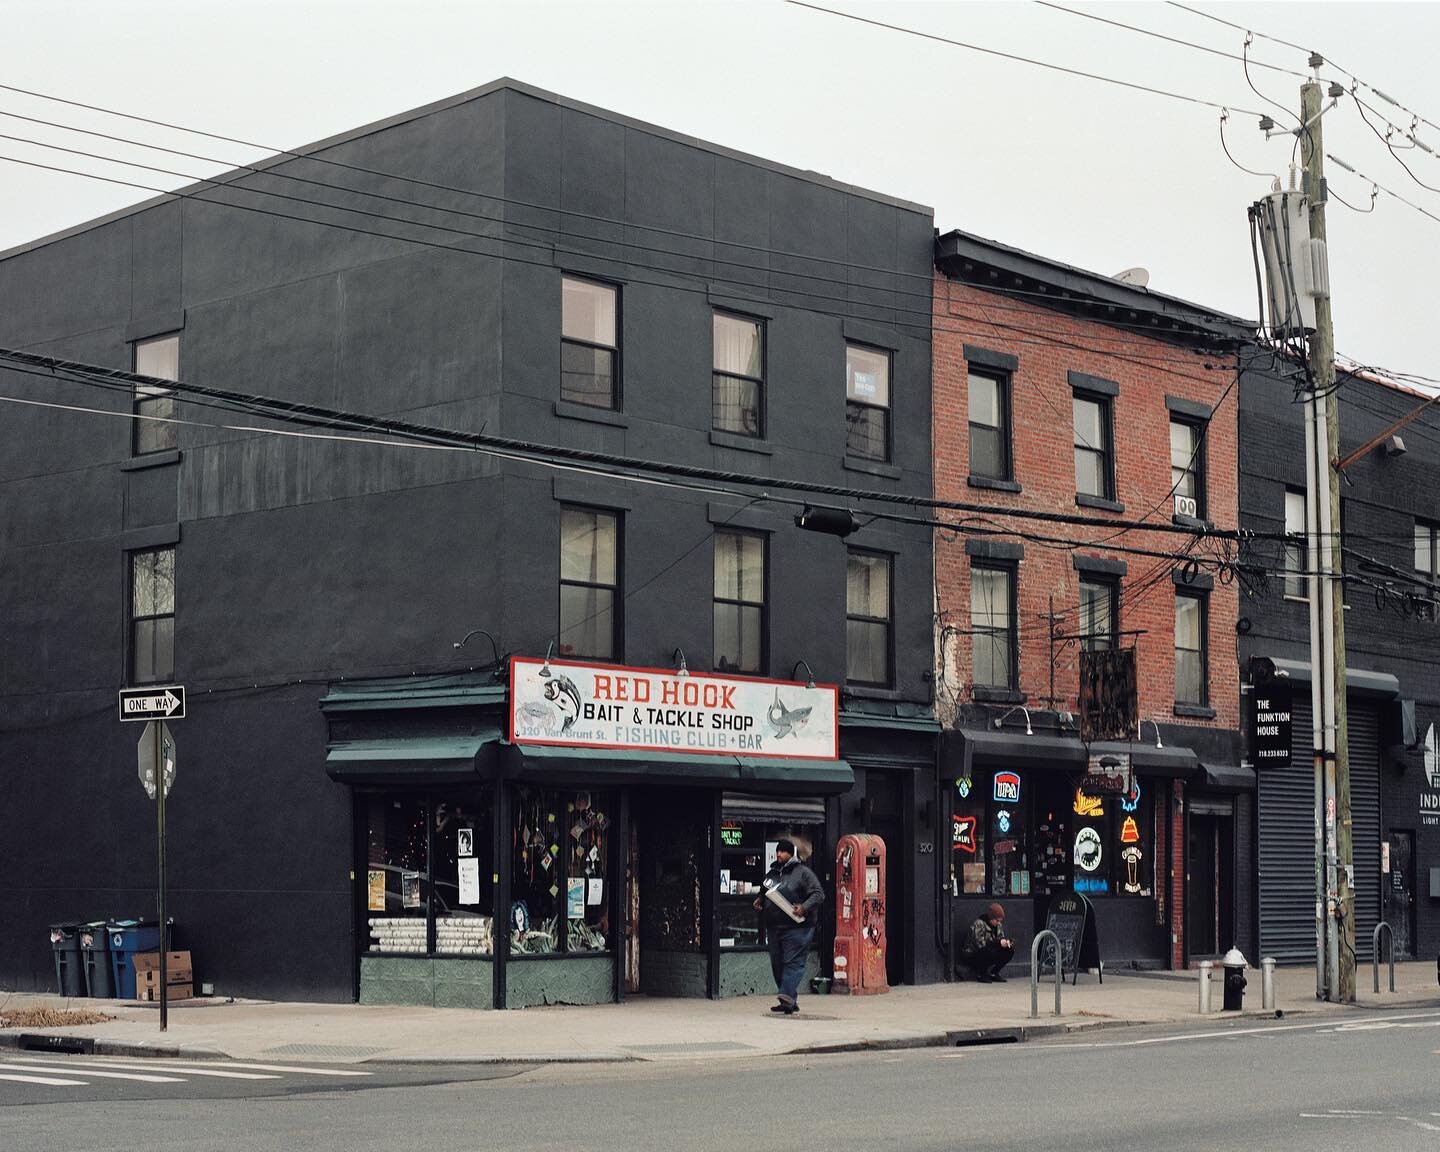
(1062, 394)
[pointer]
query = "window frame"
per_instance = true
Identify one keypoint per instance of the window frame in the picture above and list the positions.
(717, 374)
(1198, 464)
(617, 639)
(888, 620)
(1294, 584)
(616, 392)
(1432, 530)
(1003, 382)
(132, 619)
(140, 404)
(763, 604)
(1111, 587)
(1107, 433)
(886, 408)
(1011, 571)
(1202, 599)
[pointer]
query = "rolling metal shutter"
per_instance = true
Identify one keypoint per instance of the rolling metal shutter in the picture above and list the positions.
(1286, 800)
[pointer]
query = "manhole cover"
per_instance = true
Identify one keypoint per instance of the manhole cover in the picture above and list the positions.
(708, 1046)
(321, 1051)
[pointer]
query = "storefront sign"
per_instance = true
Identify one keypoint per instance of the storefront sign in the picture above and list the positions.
(1108, 772)
(606, 706)
(1430, 798)
(1269, 716)
(732, 835)
(963, 834)
(1007, 787)
(1087, 849)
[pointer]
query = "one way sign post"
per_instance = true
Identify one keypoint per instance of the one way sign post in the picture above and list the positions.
(165, 702)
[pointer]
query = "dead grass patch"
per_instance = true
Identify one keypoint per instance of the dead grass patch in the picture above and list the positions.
(51, 1017)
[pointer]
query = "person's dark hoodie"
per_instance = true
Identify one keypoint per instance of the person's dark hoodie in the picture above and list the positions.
(799, 885)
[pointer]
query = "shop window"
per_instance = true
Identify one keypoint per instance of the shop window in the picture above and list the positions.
(429, 861)
(589, 346)
(867, 403)
(589, 583)
(152, 615)
(969, 828)
(154, 406)
(559, 881)
(747, 849)
(1111, 843)
(738, 379)
(740, 625)
(1009, 837)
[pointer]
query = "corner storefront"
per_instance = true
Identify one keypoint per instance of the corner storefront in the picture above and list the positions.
(578, 832)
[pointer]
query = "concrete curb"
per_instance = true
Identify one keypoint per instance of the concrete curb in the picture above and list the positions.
(89, 1046)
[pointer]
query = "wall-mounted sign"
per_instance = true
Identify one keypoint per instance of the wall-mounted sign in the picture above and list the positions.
(963, 834)
(1007, 787)
(1430, 798)
(1129, 831)
(1132, 857)
(1086, 805)
(1109, 708)
(1269, 716)
(1108, 772)
(1087, 849)
(608, 706)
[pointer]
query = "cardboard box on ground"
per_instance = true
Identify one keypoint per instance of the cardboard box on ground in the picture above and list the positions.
(178, 976)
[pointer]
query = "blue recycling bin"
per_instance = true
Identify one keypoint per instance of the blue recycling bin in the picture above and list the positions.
(95, 954)
(128, 937)
(65, 944)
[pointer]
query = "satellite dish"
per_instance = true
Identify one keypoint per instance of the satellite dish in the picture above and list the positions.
(1139, 277)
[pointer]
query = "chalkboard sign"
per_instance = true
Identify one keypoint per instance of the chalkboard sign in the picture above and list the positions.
(1072, 918)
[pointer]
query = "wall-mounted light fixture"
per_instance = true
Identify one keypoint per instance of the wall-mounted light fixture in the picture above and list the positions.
(1154, 725)
(810, 683)
(1000, 720)
(684, 669)
(494, 650)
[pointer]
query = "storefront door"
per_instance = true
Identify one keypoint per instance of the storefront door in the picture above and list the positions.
(668, 949)
(1399, 892)
(885, 796)
(1210, 887)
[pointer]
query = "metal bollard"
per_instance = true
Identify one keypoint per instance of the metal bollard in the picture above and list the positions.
(1035, 967)
(1205, 967)
(1375, 952)
(1267, 983)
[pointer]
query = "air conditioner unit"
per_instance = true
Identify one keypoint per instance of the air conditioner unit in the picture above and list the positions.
(1185, 506)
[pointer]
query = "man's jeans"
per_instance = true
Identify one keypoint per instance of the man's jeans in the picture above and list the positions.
(789, 949)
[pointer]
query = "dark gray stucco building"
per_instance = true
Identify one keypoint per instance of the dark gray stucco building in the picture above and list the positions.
(351, 816)
(1389, 512)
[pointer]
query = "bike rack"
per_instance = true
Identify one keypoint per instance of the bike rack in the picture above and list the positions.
(1375, 953)
(1059, 974)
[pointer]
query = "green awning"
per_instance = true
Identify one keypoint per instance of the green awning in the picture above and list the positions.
(546, 764)
(413, 760)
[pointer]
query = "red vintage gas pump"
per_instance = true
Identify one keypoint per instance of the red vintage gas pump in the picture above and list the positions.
(860, 915)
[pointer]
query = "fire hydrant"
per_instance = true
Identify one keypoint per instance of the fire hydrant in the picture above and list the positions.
(1234, 965)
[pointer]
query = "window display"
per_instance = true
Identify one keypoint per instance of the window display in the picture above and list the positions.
(968, 840)
(464, 861)
(747, 849)
(559, 898)
(397, 883)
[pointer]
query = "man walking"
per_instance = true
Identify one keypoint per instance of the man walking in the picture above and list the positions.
(986, 949)
(789, 918)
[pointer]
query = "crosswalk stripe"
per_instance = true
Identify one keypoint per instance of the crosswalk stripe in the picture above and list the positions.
(40, 1066)
(296, 1068)
(57, 1063)
(50, 1080)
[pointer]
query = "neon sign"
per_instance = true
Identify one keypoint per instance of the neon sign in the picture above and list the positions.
(1129, 831)
(1002, 821)
(1131, 800)
(962, 786)
(731, 835)
(963, 834)
(1132, 857)
(1088, 849)
(1088, 805)
(1007, 787)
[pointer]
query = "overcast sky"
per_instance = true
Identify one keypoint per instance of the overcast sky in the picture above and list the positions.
(1077, 170)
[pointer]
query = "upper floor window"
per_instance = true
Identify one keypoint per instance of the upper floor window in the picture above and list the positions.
(1094, 463)
(992, 626)
(589, 583)
(740, 624)
(1191, 682)
(1187, 464)
(1098, 613)
(867, 618)
(1295, 550)
(738, 382)
(1427, 549)
(589, 343)
(989, 399)
(154, 406)
(152, 615)
(867, 403)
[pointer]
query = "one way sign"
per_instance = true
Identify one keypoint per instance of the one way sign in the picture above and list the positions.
(164, 703)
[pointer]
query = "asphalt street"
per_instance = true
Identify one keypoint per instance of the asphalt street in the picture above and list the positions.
(1371, 1079)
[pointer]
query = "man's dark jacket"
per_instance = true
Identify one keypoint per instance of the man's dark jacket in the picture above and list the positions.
(798, 884)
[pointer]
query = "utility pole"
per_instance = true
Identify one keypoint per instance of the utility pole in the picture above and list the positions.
(1339, 891)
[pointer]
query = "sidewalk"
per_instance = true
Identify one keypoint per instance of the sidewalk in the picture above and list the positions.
(651, 1029)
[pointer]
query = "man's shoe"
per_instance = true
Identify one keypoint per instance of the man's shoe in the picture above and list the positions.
(780, 1007)
(996, 978)
(984, 979)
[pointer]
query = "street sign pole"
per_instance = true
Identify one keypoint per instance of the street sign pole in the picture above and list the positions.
(160, 790)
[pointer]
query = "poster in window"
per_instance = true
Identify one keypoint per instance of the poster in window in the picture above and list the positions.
(410, 889)
(375, 883)
(575, 897)
(469, 880)
(465, 842)
(594, 891)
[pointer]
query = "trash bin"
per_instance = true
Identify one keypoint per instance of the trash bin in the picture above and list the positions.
(1234, 965)
(95, 956)
(128, 937)
(65, 943)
